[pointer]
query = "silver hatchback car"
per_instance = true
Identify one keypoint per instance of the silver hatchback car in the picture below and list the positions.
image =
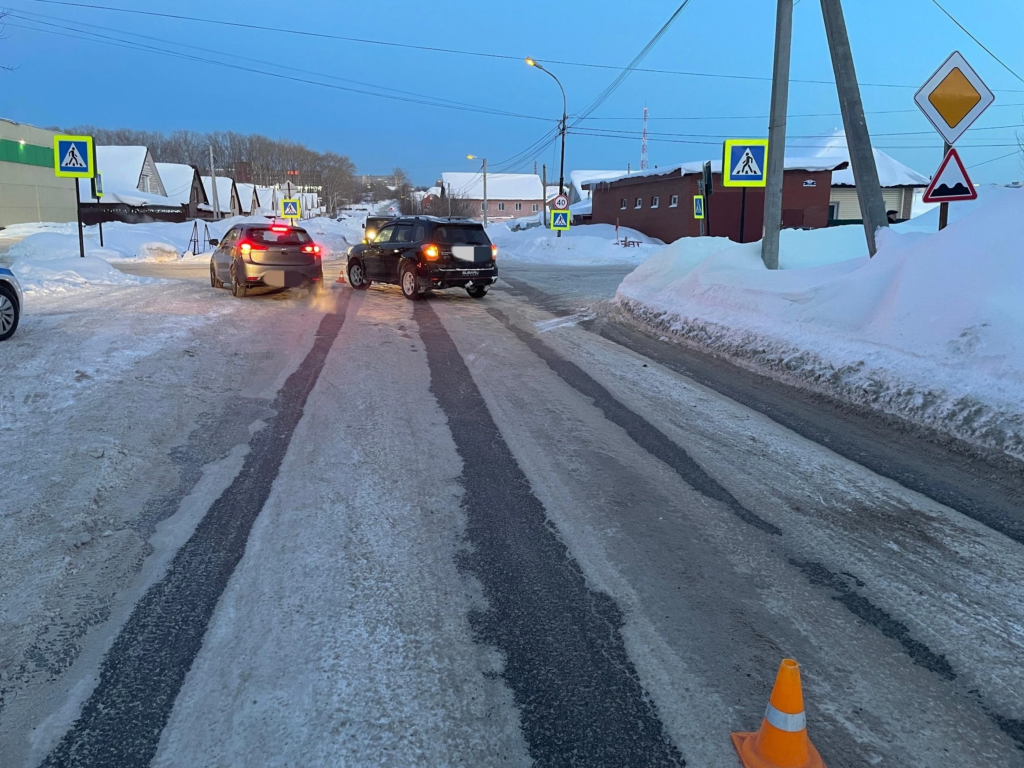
(11, 301)
(266, 255)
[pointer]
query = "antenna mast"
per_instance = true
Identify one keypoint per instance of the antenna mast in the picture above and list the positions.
(643, 146)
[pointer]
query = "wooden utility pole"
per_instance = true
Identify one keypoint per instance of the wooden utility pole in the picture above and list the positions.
(862, 158)
(777, 135)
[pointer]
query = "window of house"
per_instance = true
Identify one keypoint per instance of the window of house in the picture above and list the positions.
(674, 203)
(639, 203)
(519, 206)
(833, 211)
(501, 206)
(536, 207)
(622, 206)
(655, 201)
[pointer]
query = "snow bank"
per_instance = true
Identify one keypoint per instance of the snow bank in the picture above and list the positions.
(67, 273)
(591, 244)
(931, 329)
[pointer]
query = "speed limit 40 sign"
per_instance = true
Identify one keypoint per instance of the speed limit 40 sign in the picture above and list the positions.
(561, 202)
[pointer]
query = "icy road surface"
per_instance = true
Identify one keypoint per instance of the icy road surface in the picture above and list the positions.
(361, 531)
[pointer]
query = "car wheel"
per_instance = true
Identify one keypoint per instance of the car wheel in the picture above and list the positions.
(214, 281)
(409, 283)
(236, 288)
(357, 276)
(8, 313)
(477, 291)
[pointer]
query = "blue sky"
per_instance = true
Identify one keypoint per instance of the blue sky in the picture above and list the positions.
(66, 81)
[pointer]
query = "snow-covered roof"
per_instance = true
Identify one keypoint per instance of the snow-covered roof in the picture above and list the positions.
(697, 166)
(177, 179)
(500, 186)
(121, 169)
(224, 185)
(245, 195)
(578, 178)
(265, 196)
(433, 192)
(551, 190)
(891, 172)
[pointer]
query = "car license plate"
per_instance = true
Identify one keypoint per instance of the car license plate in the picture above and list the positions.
(470, 272)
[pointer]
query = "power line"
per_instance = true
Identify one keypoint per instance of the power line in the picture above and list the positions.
(435, 49)
(410, 98)
(789, 117)
(620, 79)
(981, 44)
(1001, 157)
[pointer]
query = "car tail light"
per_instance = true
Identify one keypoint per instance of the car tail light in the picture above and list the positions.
(278, 228)
(245, 246)
(494, 252)
(311, 249)
(431, 252)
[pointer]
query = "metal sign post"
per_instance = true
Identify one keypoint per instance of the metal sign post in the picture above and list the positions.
(952, 99)
(744, 165)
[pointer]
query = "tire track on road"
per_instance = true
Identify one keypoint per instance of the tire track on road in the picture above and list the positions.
(140, 677)
(579, 696)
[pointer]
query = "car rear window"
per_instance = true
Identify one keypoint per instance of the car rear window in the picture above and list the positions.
(270, 237)
(450, 234)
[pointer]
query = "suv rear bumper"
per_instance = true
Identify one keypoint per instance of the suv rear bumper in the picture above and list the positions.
(451, 277)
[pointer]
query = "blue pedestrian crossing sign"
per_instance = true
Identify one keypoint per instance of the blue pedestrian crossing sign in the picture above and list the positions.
(698, 206)
(73, 157)
(291, 208)
(745, 163)
(560, 219)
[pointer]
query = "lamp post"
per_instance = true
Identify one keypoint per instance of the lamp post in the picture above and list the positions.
(474, 157)
(565, 119)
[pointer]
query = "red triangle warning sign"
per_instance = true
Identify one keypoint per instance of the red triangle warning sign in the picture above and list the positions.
(951, 182)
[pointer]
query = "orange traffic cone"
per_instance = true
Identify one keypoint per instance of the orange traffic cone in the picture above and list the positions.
(341, 276)
(782, 741)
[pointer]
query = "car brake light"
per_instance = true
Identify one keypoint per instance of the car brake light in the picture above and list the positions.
(311, 249)
(431, 252)
(278, 228)
(245, 246)
(494, 252)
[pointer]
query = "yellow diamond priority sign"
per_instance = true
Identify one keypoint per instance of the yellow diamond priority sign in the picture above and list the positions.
(953, 98)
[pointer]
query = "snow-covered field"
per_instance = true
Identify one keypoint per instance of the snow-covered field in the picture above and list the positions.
(583, 245)
(931, 329)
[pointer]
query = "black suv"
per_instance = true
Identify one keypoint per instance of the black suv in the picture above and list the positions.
(423, 253)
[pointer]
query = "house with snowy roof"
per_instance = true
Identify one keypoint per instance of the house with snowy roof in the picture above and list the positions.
(659, 202)
(509, 195)
(266, 201)
(227, 198)
(900, 184)
(133, 190)
(246, 197)
(184, 186)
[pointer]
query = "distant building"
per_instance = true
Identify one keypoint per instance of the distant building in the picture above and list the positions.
(659, 202)
(29, 190)
(575, 185)
(246, 197)
(266, 201)
(184, 186)
(509, 195)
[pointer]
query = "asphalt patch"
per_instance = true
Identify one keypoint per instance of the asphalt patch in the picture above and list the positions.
(642, 432)
(142, 673)
(579, 698)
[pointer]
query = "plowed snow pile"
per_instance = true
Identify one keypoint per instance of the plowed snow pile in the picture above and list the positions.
(931, 329)
(591, 244)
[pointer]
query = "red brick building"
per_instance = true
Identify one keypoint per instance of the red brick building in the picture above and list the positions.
(659, 202)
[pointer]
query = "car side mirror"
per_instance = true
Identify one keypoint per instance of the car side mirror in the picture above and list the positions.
(214, 241)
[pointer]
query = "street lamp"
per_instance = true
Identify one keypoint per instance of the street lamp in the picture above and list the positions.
(565, 119)
(474, 157)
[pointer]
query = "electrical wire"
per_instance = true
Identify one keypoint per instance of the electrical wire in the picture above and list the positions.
(425, 101)
(788, 117)
(976, 40)
(1001, 157)
(435, 49)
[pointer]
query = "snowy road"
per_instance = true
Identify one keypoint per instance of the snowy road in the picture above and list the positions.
(362, 531)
